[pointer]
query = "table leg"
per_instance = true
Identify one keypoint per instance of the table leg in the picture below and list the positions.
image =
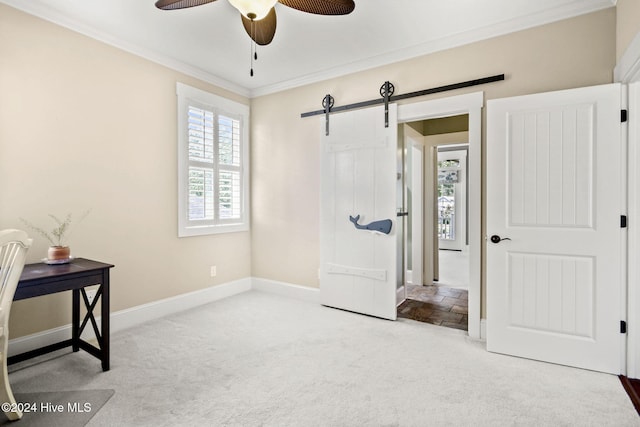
(75, 322)
(105, 315)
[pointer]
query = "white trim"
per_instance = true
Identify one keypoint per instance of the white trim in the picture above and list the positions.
(550, 15)
(443, 107)
(42, 11)
(303, 293)
(188, 96)
(463, 104)
(408, 277)
(127, 318)
(628, 68)
(400, 295)
(133, 316)
(39, 339)
(624, 244)
(483, 329)
(628, 71)
(416, 183)
(130, 317)
(633, 232)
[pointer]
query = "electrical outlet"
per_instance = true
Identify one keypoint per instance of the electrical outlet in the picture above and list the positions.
(214, 271)
(91, 295)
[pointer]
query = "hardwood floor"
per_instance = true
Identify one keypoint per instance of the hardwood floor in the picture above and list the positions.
(436, 304)
(632, 387)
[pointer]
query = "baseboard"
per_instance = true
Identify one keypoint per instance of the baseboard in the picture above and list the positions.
(290, 290)
(408, 277)
(38, 340)
(400, 295)
(133, 316)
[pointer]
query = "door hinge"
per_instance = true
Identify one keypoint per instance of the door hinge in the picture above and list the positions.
(623, 221)
(624, 115)
(623, 327)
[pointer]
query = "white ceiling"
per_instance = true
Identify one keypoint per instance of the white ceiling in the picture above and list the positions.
(209, 41)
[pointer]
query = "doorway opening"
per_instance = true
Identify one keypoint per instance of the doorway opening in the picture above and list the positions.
(453, 216)
(436, 242)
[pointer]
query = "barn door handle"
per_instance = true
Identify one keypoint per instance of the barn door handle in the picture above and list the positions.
(497, 239)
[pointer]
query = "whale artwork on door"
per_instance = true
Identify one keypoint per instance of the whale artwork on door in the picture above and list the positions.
(382, 226)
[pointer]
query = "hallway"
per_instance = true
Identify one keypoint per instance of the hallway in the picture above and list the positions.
(436, 304)
(454, 268)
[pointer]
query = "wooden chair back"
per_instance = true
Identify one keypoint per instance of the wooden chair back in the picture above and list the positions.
(13, 251)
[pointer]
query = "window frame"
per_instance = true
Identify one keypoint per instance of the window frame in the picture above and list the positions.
(189, 96)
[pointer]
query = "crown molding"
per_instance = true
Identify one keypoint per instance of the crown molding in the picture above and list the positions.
(571, 10)
(44, 12)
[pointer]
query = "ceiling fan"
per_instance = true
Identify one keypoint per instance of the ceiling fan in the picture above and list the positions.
(259, 16)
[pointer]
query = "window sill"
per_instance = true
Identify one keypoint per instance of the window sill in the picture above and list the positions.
(211, 229)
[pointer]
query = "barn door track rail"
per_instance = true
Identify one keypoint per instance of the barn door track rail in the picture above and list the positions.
(386, 93)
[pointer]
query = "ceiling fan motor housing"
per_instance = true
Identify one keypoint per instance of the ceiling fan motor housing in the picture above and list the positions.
(254, 10)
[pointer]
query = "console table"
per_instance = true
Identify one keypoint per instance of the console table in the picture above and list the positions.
(43, 279)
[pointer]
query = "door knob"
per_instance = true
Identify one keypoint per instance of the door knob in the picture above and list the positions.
(497, 239)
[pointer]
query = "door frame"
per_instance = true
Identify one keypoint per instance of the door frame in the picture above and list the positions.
(633, 236)
(416, 178)
(470, 104)
(627, 71)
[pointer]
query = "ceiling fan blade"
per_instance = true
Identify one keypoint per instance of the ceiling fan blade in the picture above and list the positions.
(322, 7)
(180, 4)
(261, 31)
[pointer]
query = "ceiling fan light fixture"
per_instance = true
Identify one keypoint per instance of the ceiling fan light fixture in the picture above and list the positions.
(253, 9)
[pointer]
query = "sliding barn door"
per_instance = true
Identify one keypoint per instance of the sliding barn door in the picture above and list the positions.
(555, 243)
(358, 212)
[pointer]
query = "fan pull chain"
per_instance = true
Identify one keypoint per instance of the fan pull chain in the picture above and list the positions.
(254, 57)
(254, 53)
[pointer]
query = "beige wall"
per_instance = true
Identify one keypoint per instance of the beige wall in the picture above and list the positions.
(285, 148)
(84, 125)
(628, 24)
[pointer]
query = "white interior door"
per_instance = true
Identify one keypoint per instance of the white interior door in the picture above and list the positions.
(555, 189)
(358, 200)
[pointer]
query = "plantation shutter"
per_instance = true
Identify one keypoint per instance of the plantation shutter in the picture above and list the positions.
(229, 173)
(214, 166)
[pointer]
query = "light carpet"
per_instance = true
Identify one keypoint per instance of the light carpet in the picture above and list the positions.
(257, 359)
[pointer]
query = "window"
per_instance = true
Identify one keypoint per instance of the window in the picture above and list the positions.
(212, 163)
(448, 171)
